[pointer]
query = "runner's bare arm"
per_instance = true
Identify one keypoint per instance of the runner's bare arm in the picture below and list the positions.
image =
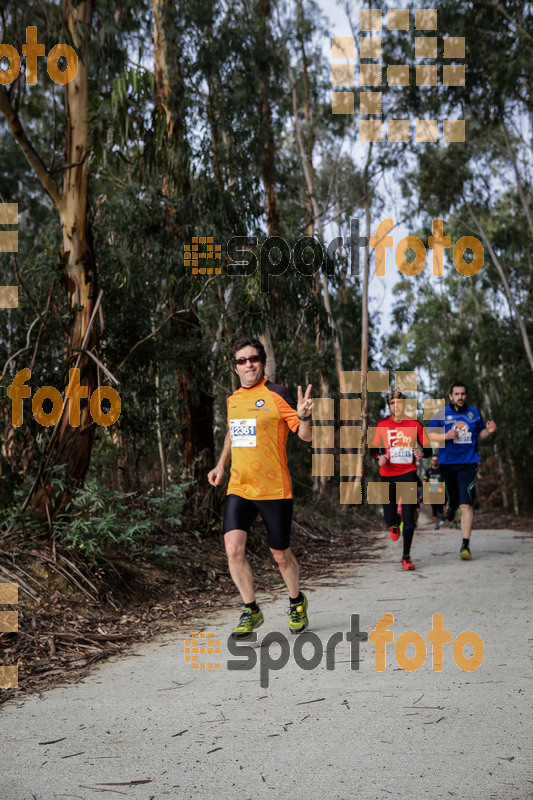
(435, 438)
(304, 408)
(216, 475)
(490, 428)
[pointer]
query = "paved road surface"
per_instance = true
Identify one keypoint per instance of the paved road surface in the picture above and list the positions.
(338, 734)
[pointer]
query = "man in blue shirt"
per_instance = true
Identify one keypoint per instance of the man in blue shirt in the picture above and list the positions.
(459, 458)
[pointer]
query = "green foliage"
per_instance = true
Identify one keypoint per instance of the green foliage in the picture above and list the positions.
(167, 510)
(153, 189)
(99, 520)
(161, 554)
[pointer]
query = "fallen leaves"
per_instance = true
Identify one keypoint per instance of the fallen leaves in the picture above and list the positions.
(63, 631)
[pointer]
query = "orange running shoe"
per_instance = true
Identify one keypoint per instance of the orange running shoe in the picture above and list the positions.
(394, 532)
(407, 563)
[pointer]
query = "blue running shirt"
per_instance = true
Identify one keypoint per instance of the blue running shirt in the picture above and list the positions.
(469, 424)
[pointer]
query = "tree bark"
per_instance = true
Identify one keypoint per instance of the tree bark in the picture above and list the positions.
(514, 488)
(192, 376)
(364, 332)
(196, 401)
(314, 219)
(159, 431)
(69, 446)
(307, 164)
(310, 144)
(170, 94)
(266, 341)
(74, 445)
(265, 115)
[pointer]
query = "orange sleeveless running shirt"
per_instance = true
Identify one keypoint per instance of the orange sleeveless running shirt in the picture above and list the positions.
(259, 419)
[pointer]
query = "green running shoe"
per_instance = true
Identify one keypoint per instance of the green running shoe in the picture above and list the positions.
(247, 622)
(465, 553)
(298, 621)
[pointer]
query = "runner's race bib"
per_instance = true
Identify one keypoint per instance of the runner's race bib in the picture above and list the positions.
(243, 432)
(434, 485)
(401, 455)
(464, 435)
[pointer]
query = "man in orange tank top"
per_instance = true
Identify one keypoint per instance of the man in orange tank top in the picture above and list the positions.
(260, 415)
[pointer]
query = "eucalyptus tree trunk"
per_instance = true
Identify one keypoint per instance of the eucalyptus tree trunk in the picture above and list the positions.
(265, 116)
(316, 222)
(266, 340)
(170, 94)
(69, 446)
(267, 166)
(364, 323)
(192, 374)
(197, 444)
(514, 485)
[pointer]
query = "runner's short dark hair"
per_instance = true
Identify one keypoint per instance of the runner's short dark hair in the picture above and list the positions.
(395, 396)
(458, 383)
(247, 341)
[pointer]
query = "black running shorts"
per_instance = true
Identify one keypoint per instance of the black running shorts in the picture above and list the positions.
(239, 514)
(460, 481)
(390, 510)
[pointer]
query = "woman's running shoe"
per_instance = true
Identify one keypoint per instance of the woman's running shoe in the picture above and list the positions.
(394, 532)
(407, 563)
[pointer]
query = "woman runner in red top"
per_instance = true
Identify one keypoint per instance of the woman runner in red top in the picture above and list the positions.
(399, 440)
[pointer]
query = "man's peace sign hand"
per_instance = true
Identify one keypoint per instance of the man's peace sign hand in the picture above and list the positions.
(305, 404)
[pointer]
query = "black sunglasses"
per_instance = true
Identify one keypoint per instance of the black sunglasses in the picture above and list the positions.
(252, 359)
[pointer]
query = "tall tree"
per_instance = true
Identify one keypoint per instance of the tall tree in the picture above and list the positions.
(69, 446)
(193, 389)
